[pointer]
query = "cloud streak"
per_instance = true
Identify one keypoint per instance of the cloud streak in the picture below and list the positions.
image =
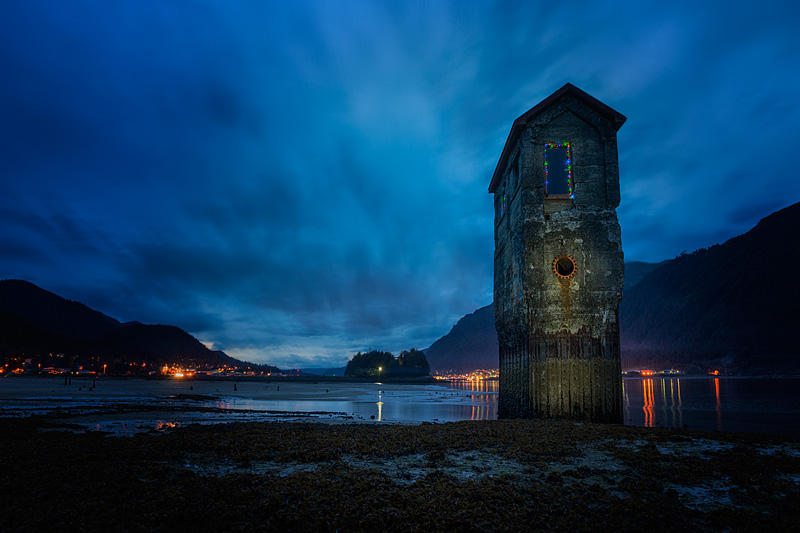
(293, 183)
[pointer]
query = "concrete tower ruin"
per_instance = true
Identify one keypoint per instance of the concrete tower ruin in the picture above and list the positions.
(558, 263)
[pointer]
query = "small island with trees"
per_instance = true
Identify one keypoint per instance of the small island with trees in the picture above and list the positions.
(377, 364)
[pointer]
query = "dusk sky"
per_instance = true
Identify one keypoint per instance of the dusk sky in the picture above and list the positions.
(292, 182)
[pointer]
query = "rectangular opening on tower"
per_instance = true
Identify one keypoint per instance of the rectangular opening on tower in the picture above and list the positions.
(558, 170)
(502, 200)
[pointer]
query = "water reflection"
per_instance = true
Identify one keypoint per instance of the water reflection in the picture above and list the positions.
(483, 385)
(480, 412)
(649, 403)
(662, 408)
(763, 405)
(669, 405)
(711, 403)
(719, 411)
(459, 400)
(484, 400)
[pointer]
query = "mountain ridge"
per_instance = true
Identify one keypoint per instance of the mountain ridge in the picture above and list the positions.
(723, 308)
(730, 305)
(470, 344)
(37, 323)
(472, 341)
(52, 312)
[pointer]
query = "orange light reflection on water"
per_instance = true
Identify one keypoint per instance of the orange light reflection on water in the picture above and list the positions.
(479, 412)
(649, 403)
(484, 385)
(719, 411)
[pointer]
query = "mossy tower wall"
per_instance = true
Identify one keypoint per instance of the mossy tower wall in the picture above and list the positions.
(559, 338)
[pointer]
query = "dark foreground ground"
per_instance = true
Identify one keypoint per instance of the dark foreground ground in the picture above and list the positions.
(461, 476)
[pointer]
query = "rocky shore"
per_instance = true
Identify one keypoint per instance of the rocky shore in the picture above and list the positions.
(461, 476)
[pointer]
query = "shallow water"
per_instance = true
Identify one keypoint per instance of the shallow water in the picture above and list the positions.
(379, 402)
(126, 406)
(755, 405)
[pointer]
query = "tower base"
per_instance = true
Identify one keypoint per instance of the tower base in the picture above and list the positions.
(563, 375)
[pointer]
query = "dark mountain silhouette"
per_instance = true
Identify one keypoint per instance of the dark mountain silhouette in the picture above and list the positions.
(52, 312)
(143, 342)
(730, 307)
(36, 322)
(17, 335)
(734, 306)
(635, 271)
(472, 343)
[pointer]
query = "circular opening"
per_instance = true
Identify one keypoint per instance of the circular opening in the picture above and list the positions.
(564, 266)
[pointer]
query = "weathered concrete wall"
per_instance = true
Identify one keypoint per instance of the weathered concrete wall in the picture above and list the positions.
(559, 338)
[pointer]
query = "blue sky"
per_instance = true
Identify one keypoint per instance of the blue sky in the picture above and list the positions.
(295, 181)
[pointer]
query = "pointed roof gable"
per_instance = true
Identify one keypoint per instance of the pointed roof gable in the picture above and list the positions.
(616, 119)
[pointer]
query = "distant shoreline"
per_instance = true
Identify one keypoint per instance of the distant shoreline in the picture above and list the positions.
(430, 380)
(264, 379)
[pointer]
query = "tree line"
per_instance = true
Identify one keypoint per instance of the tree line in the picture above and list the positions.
(376, 363)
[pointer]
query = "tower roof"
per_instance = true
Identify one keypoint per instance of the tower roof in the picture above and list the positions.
(616, 119)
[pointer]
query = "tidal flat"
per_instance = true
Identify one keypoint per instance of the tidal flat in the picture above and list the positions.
(506, 475)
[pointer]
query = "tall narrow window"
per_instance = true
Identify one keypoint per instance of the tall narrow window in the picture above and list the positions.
(558, 170)
(503, 201)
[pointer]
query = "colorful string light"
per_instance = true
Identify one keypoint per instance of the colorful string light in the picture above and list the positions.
(567, 163)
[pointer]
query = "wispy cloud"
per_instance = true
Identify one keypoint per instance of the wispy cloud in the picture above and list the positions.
(295, 182)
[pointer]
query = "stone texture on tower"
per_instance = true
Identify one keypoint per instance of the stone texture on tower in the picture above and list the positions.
(559, 268)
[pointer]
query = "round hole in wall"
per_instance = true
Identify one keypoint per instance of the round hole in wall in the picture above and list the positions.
(564, 266)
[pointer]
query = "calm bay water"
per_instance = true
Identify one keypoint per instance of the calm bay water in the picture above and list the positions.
(381, 402)
(757, 405)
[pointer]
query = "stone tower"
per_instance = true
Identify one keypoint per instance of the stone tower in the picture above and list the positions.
(558, 264)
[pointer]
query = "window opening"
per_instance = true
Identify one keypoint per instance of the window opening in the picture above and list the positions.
(558, 169)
